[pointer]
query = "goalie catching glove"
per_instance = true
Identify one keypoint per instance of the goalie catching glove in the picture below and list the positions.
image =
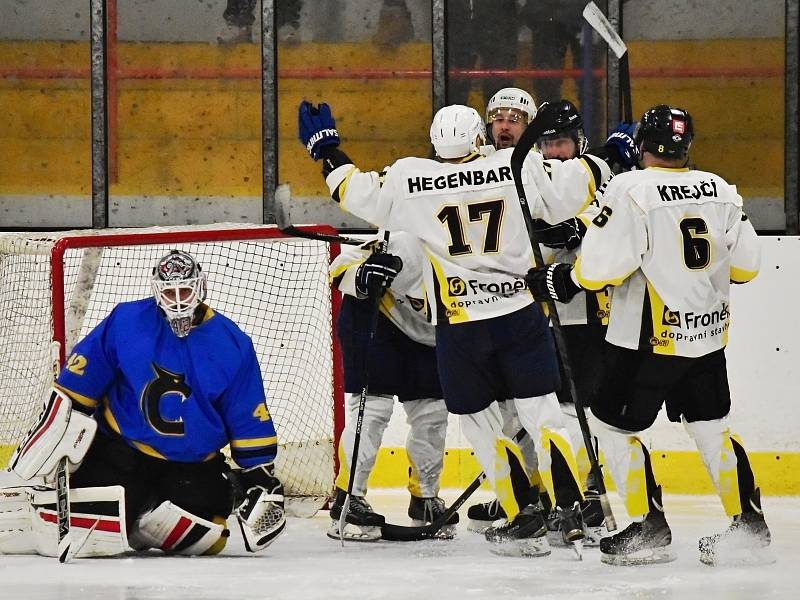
(260, 506)
(60, 431)
(552, 282)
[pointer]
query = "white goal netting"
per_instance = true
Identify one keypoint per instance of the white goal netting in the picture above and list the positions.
(275, 288)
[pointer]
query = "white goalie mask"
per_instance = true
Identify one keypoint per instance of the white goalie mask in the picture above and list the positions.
(511, 99)
(457, 131)
(179, 286)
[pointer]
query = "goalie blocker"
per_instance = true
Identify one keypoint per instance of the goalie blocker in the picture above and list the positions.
(59, 432)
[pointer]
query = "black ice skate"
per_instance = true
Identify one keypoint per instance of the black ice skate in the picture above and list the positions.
(522, 536)
(594, 521)
(642, 543)
(481, 516)
(423, 511)
(745, 542)
(362, 523)
(570, 524)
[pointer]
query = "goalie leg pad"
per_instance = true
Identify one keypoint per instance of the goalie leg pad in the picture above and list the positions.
(60, 431)
(261, 517)
(29, 521)
(176, 531)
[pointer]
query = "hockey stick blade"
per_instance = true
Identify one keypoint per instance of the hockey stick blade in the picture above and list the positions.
(404, 533)
(595, 17)
(282, 195)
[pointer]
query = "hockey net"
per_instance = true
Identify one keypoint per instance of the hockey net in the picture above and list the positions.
(276, 288)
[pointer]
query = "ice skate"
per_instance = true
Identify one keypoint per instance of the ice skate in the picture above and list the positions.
(522, 536)
(423, 511)
(570, 524)
(745, 542)
(594, 521)
(481, 516)
(362, 524)
(640, 543)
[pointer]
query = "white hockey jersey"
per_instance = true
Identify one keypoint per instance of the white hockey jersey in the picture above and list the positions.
(671, 241)
(585, 307)
(404, 303)
(468, 218)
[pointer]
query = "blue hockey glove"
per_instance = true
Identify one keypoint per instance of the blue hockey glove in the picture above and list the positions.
(621, 145)
(552, 282)
(377, 273)
(316, 127)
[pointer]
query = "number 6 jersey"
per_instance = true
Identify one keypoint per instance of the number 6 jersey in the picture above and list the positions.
(671, 241)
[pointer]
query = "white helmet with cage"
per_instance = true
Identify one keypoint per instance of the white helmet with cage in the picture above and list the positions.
(510, 98)
(179, 286)
(457, 131)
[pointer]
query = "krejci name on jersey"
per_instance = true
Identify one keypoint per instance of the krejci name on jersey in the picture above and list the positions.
(670, 193)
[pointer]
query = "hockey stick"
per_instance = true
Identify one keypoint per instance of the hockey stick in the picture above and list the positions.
(595, 17)
(282, 195)
(403, 533)
(362, 401)
(523, 147)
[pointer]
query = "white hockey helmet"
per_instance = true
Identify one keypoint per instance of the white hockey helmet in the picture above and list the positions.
(457, 131)
(179, 286)
(510, 98)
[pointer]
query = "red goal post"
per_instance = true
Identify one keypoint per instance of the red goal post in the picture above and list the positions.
(56, 287)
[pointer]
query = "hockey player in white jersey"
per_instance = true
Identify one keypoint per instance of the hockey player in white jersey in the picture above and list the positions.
(670, 241)
(401, 362)
(492, 340)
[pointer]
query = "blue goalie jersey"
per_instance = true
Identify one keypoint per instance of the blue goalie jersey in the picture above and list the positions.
(180, 399)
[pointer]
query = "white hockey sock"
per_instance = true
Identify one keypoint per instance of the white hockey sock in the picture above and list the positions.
(427, 420)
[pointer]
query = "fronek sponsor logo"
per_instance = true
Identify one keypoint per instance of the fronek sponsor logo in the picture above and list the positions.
(670, 318)
(456, 286)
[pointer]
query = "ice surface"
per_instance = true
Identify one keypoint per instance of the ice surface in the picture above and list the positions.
(304, 563)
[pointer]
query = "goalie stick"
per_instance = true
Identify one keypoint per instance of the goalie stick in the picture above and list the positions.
(595, 17)
(282, 195)
(404, 533)
(523, 147)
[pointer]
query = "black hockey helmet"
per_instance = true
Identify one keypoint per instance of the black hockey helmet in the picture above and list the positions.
(666, 131)
(568, 123)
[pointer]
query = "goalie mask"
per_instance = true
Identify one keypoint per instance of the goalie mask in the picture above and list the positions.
(179, 286)
(568, 125)
(457, 131)
(666, 132)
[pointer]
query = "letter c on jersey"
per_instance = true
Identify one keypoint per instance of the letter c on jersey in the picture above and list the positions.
(166, 382)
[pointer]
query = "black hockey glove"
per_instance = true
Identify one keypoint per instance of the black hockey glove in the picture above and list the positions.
(567, 234)
(552, 282)
(316, 127)
(376, 274)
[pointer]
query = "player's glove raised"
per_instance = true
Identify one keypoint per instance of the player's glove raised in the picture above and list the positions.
(552, 282)
(376, 274)
(316, 127)
(621, 147)
(567, 234)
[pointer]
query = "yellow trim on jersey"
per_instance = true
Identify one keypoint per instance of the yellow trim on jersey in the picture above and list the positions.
(254, 442)
(149, 450)
(592, 184)
(670, 169)
(742, 276)
(341, 189)
(596, 286)
(342, 269)
(386, 304)
(661, 342)
(79, 398)
(636, 483)
(455, 314)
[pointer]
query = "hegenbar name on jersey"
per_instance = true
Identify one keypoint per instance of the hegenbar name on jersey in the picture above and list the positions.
(458, 180)
(670, 193)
